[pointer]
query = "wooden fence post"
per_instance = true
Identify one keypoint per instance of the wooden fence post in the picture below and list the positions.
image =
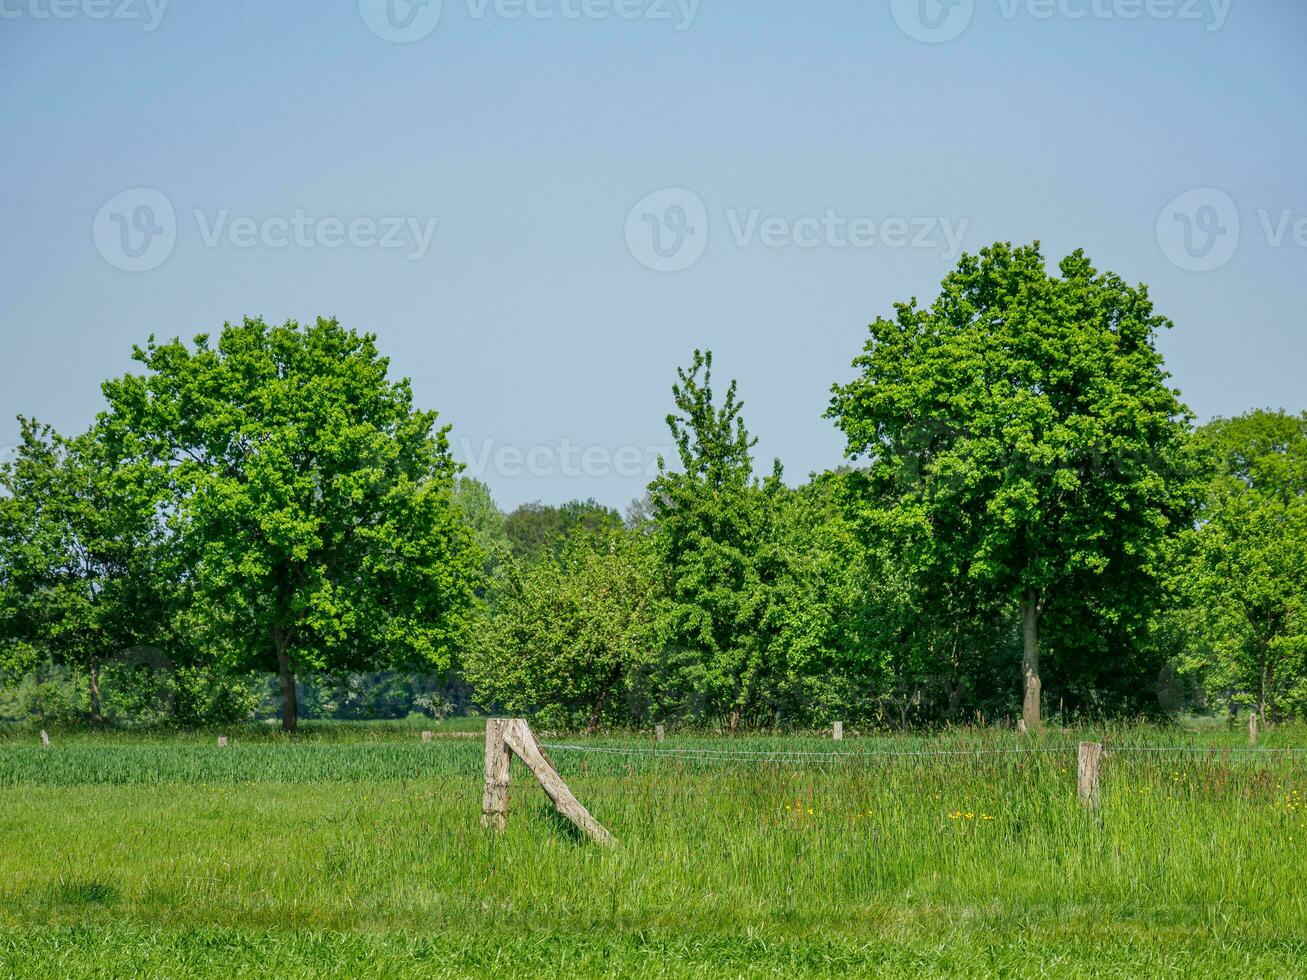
(1252, 728)
(1089, 759)
(660, 733)
(494, 801)
(838, 734)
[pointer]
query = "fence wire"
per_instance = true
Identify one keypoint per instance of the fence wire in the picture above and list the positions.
(779, 755)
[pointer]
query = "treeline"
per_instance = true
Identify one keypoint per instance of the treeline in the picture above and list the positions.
(1029, 523)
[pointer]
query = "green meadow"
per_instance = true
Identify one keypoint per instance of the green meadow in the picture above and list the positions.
(358, 850)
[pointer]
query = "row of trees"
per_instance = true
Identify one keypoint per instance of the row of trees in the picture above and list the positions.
(1028, 518)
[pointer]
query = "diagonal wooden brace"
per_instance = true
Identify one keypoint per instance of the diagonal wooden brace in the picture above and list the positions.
(514, 734)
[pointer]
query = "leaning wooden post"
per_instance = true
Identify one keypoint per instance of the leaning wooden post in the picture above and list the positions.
(520, 738)
(494, 801)
(838, 734)
(1088, 762)
(1252, 728)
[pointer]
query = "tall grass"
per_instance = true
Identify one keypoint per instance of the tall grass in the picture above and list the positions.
(1199, 853)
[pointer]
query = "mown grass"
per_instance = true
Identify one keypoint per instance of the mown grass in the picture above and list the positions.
(339, 858)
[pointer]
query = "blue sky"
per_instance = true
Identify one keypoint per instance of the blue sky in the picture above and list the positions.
(483, 189)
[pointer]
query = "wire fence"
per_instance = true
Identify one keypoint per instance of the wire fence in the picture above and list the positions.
(780, 755)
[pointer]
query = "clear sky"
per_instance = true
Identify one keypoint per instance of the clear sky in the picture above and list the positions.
(615, 182)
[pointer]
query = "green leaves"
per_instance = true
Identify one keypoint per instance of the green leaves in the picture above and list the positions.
(1244, 575)
(1022, 430)
(80, 547)
(311, 503)
(569, 633)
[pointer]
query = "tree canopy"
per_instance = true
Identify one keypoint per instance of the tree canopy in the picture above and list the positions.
(313, 502)
(1023, 440)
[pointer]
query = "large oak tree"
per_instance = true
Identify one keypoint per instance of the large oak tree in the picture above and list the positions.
(1022, 433)
(311, 501)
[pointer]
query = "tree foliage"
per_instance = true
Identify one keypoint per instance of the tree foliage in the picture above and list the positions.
(1023, 441)
(81, 542)
(569, 635)
(1244, 566)
(312, 503)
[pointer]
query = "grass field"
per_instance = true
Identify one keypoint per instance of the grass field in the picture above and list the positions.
(357, 850)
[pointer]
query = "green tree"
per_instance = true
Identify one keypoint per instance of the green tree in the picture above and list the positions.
(1024, 435)
(719, 560)
(81, 578)
(487, 522)
(535, 528)
(1246, 570)
(313, 505)
(568, 636)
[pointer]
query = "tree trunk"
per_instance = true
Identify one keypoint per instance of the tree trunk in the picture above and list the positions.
(290, 709)
(1030, 659)
(1263, 679)
(597, 713)
(97, 719)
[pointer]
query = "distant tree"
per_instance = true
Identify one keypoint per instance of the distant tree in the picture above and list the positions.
(1245, 573)
(536, 528)
(81, 576)
(719, 558)
(312, 503)
(570, 631)
(1023, 434)
(487, 522)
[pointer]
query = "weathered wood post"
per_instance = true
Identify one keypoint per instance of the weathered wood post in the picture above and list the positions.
(838, 734)
(45, 738)
(660, 733)
(1252, 728)
(1089, 759)
(428, 736)
(494, 801)
(523, 742)
(222, 741)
